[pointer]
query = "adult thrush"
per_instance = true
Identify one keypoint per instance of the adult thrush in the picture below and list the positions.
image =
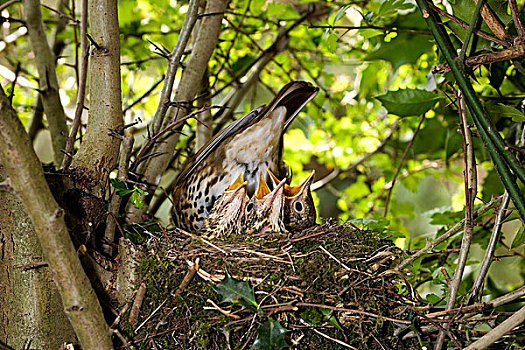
(250, 144)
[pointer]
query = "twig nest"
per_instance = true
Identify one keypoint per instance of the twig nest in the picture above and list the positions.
(325, 287)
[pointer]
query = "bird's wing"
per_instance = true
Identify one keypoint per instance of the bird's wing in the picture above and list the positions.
(294, 96)
(215, 141)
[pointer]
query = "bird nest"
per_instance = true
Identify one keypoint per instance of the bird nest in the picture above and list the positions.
(328, 287)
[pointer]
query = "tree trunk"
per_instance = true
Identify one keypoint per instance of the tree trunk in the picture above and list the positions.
(99, 151)
(33, 309)
(27, 178)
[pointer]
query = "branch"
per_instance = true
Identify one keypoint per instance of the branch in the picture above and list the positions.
(495, 145)
(173, 63)
(472, 62)
(516, 18)
(79, 108)
(465, 25)
(205, 43)
(470, 175)
(506, 326)
(409, 146)
(494, 23)
(48, 83)
(27, 178)
(491, 248)
(123, 166)
(99, 152)
(451, 232)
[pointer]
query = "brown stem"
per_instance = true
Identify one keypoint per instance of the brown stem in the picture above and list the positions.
(498, 332)
(516, 18)
(409, 147)
(79, 108)
(494, 23)
(27, 178)
(48, 83)
(465, 26)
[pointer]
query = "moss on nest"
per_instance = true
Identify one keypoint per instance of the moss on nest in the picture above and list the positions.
(325, 286)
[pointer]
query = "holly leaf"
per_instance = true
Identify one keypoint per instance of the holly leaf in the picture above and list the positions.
(235, 291)
(270, 336)
(330, 317)
(519, 239)
(408, 102)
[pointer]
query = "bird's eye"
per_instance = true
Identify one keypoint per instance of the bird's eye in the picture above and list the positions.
(298, 206)
(249, 207)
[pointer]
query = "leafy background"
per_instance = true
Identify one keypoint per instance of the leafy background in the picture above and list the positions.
(375, 84)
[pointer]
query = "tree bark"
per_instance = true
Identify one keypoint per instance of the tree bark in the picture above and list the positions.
(99, 151)
(207, 37)
(33, 308)
(27, 179)
(48, 83)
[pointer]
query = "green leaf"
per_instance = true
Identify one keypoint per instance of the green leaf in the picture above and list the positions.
(390, 7)
(119, 185)
(270, 336)
(235, 291)
(330, 317)
(432, 298)
(519, 239)
(507, 112)
(340, 14)
(331, 42)
(136, 200)
(408, 102)
(403, 49)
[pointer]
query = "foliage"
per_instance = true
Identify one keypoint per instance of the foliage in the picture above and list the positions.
(373, 64)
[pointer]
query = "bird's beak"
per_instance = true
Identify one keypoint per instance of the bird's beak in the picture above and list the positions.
(238, 182)
(294, 191)
(262, 190)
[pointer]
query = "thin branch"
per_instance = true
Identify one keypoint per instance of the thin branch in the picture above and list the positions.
(472, 62)
(409, 147)
(470, 175)
(385, 29)
(473, 21)
(145, 94)
(125, 153)
(502, 160)
(173, 63)
(491, 248)
(506, 326)
(451, 232)
(79, 107)
(7, 4)
(465, 26)
(516, 18)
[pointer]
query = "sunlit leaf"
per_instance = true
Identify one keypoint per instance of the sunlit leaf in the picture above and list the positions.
(408, 102)
(340, 14)
(519, 239)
